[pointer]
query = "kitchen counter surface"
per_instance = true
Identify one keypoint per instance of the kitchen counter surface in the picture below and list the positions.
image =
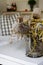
(17, 51)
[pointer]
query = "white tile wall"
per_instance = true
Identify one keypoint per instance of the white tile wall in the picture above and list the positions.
(2, 5)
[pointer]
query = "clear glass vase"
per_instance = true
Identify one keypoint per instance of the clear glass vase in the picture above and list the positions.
(34, 50)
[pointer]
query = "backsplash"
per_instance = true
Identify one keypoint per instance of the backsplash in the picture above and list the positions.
(21, 4)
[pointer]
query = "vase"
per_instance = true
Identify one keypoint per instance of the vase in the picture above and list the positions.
(34, 50)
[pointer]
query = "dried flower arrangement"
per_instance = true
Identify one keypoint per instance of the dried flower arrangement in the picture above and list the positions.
(34, 31)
